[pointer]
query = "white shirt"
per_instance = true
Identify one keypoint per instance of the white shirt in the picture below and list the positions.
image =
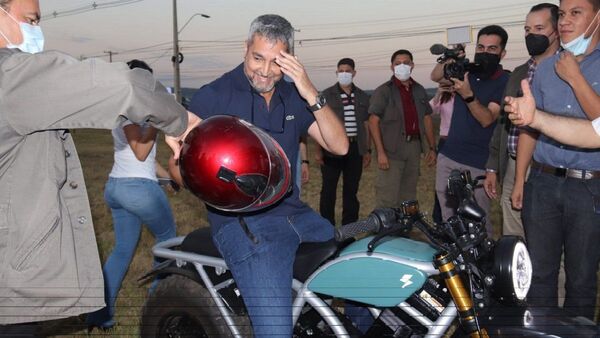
(596, 125)
(126, 164)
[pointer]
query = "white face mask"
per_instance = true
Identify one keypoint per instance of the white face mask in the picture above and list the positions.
(344, 78)
(33, 38)
(580, 44)
(402, 72)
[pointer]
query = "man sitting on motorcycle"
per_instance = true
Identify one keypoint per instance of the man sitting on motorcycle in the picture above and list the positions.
(260, 247)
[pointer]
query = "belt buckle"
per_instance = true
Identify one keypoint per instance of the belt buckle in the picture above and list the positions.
(562, 172)
(408, 138)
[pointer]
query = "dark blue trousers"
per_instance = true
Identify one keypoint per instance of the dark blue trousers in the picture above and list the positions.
(559, 214)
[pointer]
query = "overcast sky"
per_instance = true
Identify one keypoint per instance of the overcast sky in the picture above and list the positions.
(367, 31)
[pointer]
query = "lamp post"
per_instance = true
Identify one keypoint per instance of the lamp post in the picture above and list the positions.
(177, 57)
(190, 19)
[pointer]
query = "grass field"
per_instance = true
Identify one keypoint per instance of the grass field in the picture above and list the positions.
(96, 153)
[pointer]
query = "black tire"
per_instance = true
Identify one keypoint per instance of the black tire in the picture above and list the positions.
(181, 307)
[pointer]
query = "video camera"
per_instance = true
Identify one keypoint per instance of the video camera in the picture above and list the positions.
(461, 64)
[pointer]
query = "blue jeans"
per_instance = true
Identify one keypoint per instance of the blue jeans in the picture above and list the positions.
(558, 214)
(263, 270)
(133, 202)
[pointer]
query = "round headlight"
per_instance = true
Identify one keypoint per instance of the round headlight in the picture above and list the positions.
(512, 269)
(521, 270)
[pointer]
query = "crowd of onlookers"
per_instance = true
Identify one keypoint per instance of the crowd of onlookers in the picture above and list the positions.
(550, 179)
(550, 192)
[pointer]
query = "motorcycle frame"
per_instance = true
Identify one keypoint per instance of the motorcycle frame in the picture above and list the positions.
(304, 296)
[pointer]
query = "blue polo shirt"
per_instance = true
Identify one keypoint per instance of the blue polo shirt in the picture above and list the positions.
(555, 96)
(468, 142)
(286, 118)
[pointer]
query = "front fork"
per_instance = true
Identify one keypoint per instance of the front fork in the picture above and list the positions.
(468, 318)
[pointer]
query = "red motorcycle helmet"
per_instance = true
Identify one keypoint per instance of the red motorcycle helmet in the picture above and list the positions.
(232, 165)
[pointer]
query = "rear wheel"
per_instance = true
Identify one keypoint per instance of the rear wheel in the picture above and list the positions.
(180, 307)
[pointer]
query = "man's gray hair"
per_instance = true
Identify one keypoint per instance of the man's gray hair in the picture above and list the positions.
(274, 28)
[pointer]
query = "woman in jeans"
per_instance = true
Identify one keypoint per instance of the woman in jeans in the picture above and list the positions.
(135, 198)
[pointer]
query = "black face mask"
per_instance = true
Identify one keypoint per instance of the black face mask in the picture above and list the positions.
(536, 44)
(486, 64)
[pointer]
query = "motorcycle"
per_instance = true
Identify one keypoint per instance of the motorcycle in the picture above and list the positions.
(457, 283)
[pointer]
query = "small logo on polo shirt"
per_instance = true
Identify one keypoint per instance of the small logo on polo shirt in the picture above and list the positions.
(290, 117)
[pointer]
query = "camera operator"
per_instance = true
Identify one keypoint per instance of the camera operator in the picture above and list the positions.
(476, 108)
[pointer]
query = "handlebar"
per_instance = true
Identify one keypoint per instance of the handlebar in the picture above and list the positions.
(368, 225)
(375, 222)
(462, 186)
(452, 233)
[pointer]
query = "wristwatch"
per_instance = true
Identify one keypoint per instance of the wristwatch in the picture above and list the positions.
(321, 102)
(469, 99)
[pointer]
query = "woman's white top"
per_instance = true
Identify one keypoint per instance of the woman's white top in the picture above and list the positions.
(126, 164)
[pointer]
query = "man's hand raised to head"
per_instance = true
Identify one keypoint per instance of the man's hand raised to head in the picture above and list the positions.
(291, 67)
(174, 142)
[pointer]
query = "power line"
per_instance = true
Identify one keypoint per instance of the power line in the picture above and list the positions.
(414, 26)
(460, 14)
(96, 5)
(210, 47)
(110, 54)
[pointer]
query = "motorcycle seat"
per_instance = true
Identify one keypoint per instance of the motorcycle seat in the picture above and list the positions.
(200, 242)
(308, 257)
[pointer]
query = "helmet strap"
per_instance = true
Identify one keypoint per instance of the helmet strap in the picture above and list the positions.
(247, 231)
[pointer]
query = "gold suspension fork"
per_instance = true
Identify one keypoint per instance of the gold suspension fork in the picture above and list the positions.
(444, 263)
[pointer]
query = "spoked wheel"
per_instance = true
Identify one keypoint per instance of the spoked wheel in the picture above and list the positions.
(181, 307)
(180, 325)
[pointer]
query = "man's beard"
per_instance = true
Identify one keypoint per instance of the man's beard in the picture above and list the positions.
(262, 90)
(259, 89)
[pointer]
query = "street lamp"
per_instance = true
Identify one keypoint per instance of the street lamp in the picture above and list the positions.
(177, 57)
(190, 19)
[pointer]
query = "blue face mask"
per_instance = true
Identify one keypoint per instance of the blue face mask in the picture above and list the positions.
(33, 38)
(580, 44)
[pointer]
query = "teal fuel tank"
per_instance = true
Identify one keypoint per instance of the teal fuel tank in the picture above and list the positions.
(397, 268)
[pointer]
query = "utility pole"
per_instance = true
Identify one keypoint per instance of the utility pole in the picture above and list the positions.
(110, 54)
(292, 49)
(176, 58)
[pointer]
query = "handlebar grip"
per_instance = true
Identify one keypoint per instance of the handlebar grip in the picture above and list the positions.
(370, 224)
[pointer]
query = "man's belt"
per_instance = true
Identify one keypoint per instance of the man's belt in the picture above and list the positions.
(410, 138)
(566, 172)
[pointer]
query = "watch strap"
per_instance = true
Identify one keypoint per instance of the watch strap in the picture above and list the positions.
(320, 102)
(315, 107)
(469, 99)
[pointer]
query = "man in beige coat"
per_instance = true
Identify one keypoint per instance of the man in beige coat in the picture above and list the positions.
(49, 259)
